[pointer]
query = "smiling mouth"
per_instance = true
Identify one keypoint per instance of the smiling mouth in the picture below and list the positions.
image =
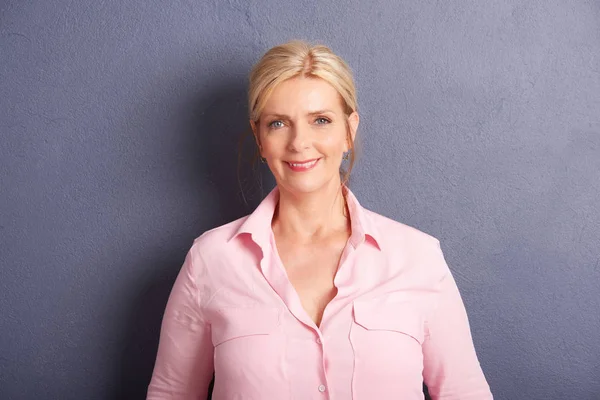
(302, 166)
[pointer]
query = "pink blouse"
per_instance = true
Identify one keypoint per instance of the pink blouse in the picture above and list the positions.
(397, 320)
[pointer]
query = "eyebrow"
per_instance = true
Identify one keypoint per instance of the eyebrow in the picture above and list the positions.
(283, 116)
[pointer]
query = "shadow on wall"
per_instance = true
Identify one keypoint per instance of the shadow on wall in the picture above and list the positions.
(209, 136)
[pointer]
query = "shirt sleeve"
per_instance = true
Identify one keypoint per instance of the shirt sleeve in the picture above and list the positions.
(451, 368)
(184, 363)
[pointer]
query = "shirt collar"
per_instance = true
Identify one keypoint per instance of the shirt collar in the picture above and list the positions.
(258, 223)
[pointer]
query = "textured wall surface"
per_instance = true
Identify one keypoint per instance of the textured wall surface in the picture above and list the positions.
(119, 124)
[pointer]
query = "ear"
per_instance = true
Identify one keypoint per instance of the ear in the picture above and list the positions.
(256, 134)
(353, 121)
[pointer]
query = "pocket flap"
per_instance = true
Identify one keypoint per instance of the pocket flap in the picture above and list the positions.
(397, 316)
(233, 323)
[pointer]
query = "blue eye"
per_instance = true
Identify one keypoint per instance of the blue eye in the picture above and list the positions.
(322, 121)
(276, 124)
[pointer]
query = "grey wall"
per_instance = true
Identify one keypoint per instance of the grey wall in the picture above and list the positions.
(119, 124)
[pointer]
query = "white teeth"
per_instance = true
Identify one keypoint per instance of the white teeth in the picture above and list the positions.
(304, 165)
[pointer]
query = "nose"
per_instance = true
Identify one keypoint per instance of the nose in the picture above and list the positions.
(300, 137)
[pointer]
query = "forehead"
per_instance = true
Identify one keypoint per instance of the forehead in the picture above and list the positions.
(303, 94)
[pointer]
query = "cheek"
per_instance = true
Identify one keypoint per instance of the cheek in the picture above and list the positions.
(332, 143)
(273, 145)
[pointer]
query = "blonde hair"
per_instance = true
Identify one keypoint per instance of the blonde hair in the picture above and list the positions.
(299, 58)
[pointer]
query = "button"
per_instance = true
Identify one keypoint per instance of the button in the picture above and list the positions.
(321, 388)
(319, 340)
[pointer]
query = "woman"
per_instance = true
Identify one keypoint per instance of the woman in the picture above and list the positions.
(313, 296)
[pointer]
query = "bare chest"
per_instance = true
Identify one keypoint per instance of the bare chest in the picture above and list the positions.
(311, 271)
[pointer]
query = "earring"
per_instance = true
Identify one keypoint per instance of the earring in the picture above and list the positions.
(346, 156)
(262, 159)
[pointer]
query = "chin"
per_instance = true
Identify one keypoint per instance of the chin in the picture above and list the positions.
(304, 185)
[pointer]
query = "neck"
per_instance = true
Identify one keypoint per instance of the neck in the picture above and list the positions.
(310, 217)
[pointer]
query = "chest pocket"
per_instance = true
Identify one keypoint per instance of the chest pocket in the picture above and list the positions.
(386, 337)
(395, 316)
(249, 353)
(233, 323)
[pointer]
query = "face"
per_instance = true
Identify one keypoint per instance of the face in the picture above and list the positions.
(303, 134)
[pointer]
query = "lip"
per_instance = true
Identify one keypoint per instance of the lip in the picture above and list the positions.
(302, 168)
(303, 161)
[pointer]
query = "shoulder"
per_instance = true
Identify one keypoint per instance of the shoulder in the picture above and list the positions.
(409, 248)
(394, 233)
(210, 251)
(217, 238)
